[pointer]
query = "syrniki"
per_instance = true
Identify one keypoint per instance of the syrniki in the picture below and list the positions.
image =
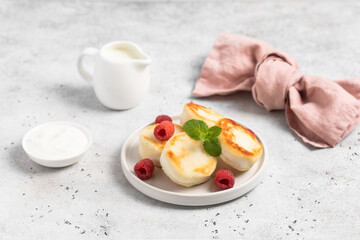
(150, 147)
(185, 162)
(240, 148)
(195, 111)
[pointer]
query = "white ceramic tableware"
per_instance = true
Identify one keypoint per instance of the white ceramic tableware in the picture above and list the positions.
(57, 144)
(121, 74)
(160, 187)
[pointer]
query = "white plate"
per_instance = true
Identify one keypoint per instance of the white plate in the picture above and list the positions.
(160, 187)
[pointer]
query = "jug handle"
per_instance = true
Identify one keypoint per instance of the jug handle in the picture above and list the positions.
(86, 74)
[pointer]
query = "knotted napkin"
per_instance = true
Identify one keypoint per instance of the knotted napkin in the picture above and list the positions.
(320, 111)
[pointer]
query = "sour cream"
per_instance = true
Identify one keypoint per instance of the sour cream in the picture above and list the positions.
(56, 141)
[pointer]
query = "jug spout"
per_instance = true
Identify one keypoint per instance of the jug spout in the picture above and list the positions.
(125, 52)
(144, 62)
(142, 57)
(139, 56)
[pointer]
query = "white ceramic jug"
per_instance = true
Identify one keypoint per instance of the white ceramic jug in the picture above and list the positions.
(121, 74)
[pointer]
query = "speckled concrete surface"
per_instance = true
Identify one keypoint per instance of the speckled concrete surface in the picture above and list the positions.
(305, 194)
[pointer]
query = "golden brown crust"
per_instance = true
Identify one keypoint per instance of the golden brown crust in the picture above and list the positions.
(174, 139)
(176, 159)
(228, 136)
(184, 161)
(157, 143)
(196, 107)
(206, 169)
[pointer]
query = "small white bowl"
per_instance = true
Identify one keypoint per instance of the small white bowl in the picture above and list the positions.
(56, 162)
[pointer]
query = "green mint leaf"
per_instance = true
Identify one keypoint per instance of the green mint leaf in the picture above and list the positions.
(194, 128)
(198, 130)
(212, 147)
(203, 137)
(213, 132)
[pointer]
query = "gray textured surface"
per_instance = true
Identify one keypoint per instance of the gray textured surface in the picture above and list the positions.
(305, 194)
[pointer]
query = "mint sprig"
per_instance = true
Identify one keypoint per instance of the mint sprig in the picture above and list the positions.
(198, 130)
(212, 147)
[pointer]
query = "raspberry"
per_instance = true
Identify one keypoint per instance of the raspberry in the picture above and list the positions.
(164, 131)
(161, 118)
(224, 179)
(144, 168)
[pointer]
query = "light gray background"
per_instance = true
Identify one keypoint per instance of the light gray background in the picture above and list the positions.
(305, 194)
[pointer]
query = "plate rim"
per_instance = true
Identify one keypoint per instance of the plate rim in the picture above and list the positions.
(183, 198)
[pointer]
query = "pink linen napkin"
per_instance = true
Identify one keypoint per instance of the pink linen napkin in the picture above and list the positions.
(320, 111)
